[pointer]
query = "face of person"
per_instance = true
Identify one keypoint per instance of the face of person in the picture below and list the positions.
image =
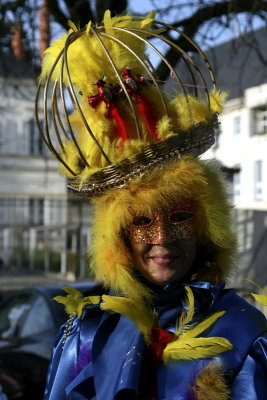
(164, 244)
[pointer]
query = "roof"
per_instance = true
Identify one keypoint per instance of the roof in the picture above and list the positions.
(240, 63)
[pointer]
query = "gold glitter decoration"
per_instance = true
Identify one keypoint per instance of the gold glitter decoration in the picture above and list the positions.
(163, 227)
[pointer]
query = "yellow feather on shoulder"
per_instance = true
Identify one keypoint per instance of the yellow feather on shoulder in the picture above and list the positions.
(75, 302)
(184, 348)
(186, 345)
(136, 311)
(260, 298)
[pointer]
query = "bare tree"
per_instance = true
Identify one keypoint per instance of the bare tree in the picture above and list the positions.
(201, 18)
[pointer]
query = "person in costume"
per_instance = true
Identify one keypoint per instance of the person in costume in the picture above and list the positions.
(162, 246)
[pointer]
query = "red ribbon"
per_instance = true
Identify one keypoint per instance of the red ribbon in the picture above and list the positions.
(151, 359)
(145, 107)
(160, 339)
(106, 94)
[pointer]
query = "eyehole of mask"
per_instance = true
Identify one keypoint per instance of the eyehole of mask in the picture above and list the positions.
(141, 220)
(179, 216)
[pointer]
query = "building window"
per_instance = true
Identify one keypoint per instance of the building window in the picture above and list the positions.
(258, 180)
(237, 125)
(1, 138)
(260, 120)
(36, 211)
(218, 133)
(36, 144)
(237, 185)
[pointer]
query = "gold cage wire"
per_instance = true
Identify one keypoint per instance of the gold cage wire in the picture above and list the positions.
(56, 126)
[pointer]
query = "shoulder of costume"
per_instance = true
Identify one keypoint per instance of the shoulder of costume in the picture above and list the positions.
(240, 316)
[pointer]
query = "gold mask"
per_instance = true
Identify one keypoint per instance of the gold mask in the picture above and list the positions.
(165, 226)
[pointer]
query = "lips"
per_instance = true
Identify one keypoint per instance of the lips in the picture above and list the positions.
(162, 259)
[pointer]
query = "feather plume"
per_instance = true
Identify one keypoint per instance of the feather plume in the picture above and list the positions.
(188, 314)
(260, 298)
(184, 348)
(136, 311)
(189, 178)
(187, 345)
(217, 99)
(202, 326)
(75, 301)
(210, 384)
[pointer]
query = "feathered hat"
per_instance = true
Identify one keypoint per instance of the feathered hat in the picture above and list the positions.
(127, 144)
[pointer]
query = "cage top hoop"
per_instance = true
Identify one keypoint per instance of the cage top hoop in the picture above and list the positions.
(59, 93)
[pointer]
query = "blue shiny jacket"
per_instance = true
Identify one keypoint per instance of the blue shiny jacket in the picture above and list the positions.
(102, 355)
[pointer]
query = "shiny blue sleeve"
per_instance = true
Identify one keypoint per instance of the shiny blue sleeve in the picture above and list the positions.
(251, 381)
(71, 359)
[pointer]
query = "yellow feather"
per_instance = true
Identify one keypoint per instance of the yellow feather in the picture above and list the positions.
(183, 347)
(216, 100)
(210, 383)
(135, 311)
(203, 325)
(188, 178)
(72, 26)
(88, 27)
(187, 315)
(186, 345)
(75, 301)
(195, 348)
(260, 298)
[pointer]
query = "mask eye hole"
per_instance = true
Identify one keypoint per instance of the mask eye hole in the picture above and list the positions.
(141, 220)
(179, 216)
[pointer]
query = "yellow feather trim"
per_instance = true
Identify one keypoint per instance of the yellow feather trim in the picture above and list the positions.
(210, 383)
(88, 28)
(186, 316)
(75, 301)
(72, 26)
(136, 312)
(185, 345)
(260, 298)
(183, 348)
(189, 178)
(87, 62)
(217, 99)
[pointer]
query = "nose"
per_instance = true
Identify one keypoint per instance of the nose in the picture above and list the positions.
(162, 232)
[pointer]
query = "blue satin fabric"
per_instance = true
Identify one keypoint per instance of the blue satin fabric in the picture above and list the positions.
(103, 353)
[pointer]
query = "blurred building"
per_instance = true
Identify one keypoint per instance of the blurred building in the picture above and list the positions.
(240, 68)
(41, 227)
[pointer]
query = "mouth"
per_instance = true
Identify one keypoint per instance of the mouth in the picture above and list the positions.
(162, 259)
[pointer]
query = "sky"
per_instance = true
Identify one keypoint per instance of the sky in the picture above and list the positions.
(174, 10)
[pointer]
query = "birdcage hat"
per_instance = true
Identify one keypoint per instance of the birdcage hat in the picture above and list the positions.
(108, 118)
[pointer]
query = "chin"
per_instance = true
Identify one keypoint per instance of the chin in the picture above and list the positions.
(162, 281)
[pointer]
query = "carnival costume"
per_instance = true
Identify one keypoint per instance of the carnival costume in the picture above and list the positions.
(134, 150)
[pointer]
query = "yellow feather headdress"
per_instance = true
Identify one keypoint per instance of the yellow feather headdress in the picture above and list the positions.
(122, 123)
(117, 133)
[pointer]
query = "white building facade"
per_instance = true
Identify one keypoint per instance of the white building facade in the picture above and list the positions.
(242, 146)
(41, 228)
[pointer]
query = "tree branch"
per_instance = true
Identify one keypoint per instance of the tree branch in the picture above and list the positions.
(191, 26)
(11, 6)
(58, 15)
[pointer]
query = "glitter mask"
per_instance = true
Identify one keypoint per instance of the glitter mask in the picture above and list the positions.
(163, 227)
